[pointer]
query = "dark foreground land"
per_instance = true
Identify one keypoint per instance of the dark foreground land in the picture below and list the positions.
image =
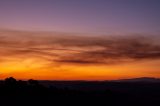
(79, 93)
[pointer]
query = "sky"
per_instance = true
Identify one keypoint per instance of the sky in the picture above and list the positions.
(79, 39)
(91, 16)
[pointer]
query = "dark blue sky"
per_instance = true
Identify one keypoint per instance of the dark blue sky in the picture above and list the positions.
(91, 16)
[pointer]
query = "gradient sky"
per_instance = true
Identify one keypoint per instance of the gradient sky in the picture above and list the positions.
(79, 39)
(91, 16)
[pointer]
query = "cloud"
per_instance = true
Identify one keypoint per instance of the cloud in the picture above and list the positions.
(119, 50)
(77, 61)
(79, 49)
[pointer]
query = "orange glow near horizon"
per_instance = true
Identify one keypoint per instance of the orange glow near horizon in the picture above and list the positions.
(40, 71)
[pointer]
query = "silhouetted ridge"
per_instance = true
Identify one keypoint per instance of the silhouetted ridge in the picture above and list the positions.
(141, 79)
(81, 93)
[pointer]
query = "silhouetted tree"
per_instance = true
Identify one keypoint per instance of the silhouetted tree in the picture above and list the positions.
(10, 81)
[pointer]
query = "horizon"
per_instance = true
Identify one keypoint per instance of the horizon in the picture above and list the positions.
(121, 80)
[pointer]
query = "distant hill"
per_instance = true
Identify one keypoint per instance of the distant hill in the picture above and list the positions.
(142, 79)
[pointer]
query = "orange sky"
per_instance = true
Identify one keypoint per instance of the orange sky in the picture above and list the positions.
(62, 56)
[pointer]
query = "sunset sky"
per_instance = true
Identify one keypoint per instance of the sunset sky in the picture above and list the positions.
(79, 39)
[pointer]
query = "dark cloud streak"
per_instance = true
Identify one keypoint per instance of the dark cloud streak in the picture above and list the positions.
(69, 49)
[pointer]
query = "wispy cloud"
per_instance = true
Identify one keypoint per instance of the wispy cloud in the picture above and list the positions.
(82, 50)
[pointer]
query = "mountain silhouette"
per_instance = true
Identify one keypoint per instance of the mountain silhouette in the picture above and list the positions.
(141, 79)
(127, 92)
